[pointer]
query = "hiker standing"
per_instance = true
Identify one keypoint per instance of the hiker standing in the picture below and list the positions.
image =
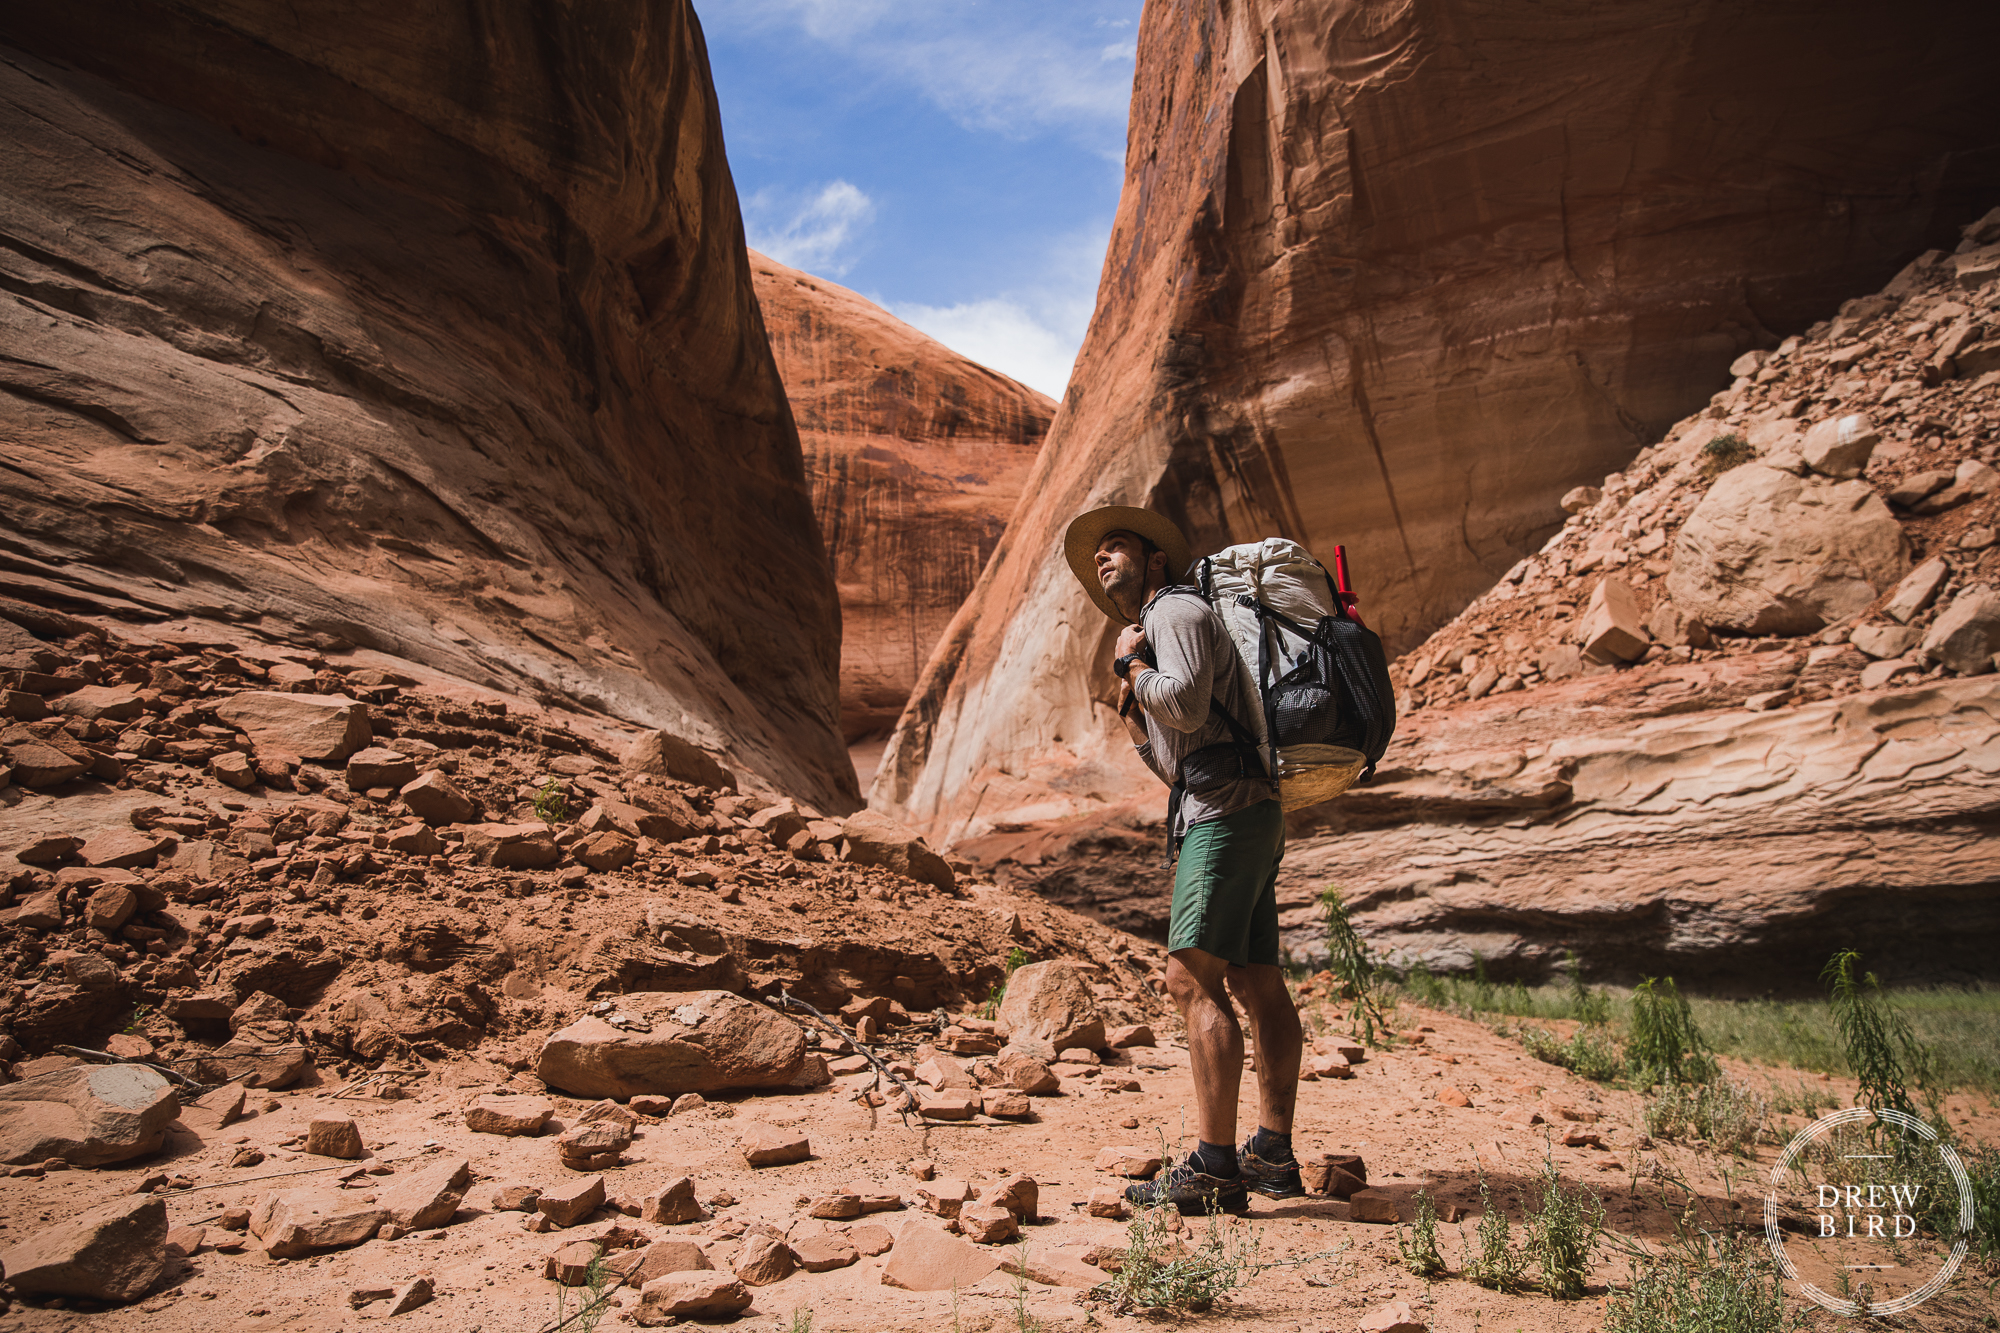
(1180, 668)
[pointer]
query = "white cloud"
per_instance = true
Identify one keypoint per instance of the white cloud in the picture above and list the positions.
(1003, 68)
(812, 234)
(1120, 51)
(1001, 335)
(1031, 335)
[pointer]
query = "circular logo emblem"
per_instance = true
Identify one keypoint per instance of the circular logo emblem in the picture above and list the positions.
(1847, 1198)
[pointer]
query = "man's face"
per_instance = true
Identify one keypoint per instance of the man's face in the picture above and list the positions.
(1121, 570)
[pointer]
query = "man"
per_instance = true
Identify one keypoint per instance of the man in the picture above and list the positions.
(1181, 670)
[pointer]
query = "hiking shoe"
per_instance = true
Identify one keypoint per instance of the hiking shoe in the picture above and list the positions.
(1195, 1193)
(1274, 1180)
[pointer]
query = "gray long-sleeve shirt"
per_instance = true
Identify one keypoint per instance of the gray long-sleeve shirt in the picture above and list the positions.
(1195, 663)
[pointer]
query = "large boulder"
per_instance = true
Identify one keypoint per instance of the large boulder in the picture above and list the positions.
(1966, 634)
(701, 1041)
(115, 1252)
(1053, 1001)
(662, 754)
(90, 1115)
(317, 728)
(1766, 552)
(874, 839)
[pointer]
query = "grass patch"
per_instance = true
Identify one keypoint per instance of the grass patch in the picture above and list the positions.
(1726, 1114)
(1498, 1264)
(1961, 1026)
(1728, 1285)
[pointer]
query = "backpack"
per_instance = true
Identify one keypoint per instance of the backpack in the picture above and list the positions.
(1328, 707)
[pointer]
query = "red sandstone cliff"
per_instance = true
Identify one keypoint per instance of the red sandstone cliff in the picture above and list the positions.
(916, 457)
(424, 330)
(1400, 275)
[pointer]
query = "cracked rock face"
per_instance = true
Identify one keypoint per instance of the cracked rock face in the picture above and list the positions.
(430, 333)
(1365, 289)
(916, 456)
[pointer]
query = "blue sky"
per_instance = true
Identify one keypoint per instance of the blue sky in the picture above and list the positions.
(953, 161)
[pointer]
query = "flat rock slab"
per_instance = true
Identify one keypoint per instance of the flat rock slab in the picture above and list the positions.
(318, 728)
(927, 1259)
(115, 1253)
(493, 1114)
(572, 1201)
(680, 1296)
(766, 1145)
(701, 1041)
(302, 1222)
(89, 1115)
(429, 1197)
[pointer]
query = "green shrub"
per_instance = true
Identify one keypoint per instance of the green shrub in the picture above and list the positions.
(1420, 1247)
(1564, 1227)
(1664, 1045)
(1730, 1286)
(1881, 1050)
(1727, 1114)
(1724, 452)
(1589, 1053)
(1498, 1264)
(1159, 1271)
(1349, 959)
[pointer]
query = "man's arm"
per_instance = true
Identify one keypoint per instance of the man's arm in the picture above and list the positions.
(1176, 693)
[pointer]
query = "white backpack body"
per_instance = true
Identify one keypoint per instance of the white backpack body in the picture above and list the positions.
(1281, 577)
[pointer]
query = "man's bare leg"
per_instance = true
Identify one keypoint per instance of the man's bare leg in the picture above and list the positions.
(1215, 1040)
(1279, 1038)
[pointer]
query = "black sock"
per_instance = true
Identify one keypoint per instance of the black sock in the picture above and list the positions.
(1215, 1159)
(1270, 1145)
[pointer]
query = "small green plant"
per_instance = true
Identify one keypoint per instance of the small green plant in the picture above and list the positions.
(1727, 1114)
(1564, 1227)
(137, 1021)
(1159, 1271)
(1498, 1264)
(1801, 1098)
(1723, 1285)
(1665, 1046)
(1017, 958)
(594, 1306)
(1349, 959)
(1592, 1006)
(1883, 1052)
(1724, 452)
(1023, 1321)
(1419, 1247)
(1589, 1053)
(801, 1322)
(552, 802)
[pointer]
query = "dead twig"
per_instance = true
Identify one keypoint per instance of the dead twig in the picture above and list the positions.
(786, 1000)
(107, 1058)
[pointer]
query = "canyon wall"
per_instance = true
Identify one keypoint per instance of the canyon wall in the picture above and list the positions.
(427, 331)
(1398, 276)
(916, 457)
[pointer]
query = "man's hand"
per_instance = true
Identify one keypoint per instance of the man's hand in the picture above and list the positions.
(1131, 639)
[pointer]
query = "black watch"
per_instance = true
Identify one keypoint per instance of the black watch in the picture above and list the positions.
(1124, 664)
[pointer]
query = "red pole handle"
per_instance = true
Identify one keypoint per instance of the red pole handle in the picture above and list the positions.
(1350, 603)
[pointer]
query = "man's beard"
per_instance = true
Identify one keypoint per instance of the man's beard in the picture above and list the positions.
(1123, 589)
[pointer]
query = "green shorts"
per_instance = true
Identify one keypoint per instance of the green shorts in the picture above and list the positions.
(1226, 886)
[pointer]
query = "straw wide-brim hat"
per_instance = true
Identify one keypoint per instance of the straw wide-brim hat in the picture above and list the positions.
(1080, 546)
